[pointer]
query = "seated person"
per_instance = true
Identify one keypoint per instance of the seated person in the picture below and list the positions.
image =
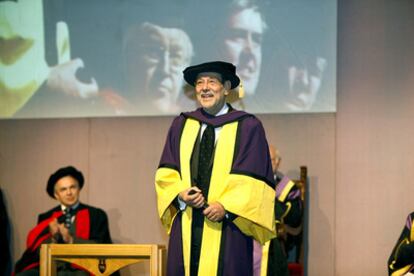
(401, 260)
(5, 257)
(288, 211)
(69, 222)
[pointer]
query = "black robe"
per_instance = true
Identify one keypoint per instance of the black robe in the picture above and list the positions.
(401, 260)
(91, 227)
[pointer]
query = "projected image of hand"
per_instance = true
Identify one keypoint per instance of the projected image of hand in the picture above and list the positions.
(62, 77)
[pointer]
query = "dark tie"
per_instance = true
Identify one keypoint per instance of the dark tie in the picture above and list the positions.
(203, 182)
(68, 217)
(204, 159)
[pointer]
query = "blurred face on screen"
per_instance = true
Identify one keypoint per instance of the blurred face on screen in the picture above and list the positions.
(156, 57)
(274, 158)
(304, 85)
(243, 46)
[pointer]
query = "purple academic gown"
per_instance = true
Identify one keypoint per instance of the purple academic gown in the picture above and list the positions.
(251, 158)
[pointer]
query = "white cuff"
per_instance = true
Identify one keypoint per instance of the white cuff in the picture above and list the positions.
(181, 204)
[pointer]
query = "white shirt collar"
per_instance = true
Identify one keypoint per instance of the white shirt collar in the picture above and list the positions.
(73, 207)
(223, 110)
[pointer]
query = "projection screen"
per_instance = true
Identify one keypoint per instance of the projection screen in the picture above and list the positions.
(94, 58)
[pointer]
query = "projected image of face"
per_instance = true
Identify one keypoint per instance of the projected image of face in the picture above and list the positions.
(130, 64)
(155, 58)
(243, 45)
(304, 85)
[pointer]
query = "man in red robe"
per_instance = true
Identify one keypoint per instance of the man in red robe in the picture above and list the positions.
(69, 222)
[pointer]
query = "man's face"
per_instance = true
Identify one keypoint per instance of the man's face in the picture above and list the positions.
(274, 158)
(243, 46)
(161, 55)
(210, 92)
(67, 191)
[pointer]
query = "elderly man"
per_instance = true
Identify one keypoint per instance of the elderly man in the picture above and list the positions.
(154, 59)
(214, 182)
(69, 222)
(272, 258)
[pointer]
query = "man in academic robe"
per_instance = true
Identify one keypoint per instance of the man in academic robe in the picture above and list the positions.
(272, 258)
(401, 261)
(5, 257)
(69, 222)
(214, 182)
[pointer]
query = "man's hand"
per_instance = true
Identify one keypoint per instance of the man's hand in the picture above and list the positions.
(66, 236)
(192, 197)
(53, 227)
(215, 212)
(59, 232)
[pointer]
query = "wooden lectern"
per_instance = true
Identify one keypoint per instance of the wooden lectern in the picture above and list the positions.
(102, 259)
